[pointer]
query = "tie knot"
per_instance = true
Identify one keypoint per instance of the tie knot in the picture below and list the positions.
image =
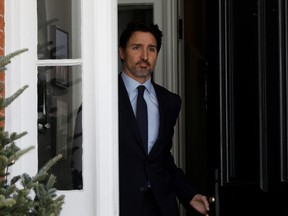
(141, 89)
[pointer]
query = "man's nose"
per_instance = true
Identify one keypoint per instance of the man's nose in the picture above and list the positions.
(144, 54)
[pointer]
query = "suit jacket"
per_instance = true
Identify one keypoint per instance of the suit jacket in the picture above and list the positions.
(136, 167)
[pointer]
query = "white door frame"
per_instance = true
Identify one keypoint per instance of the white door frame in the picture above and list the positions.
(100, 105)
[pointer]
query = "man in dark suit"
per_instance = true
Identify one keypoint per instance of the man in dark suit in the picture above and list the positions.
(150, 182)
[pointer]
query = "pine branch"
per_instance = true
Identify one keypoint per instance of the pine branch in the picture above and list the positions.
(46, 194)
(6, 139)
(4, 102)
(13, 158)
(5, 60)
(14, 136)
(6, 202)
(23, 195)
(44, 170)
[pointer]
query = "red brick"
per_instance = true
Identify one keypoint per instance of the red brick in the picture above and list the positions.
(1, 22)
(2, 7)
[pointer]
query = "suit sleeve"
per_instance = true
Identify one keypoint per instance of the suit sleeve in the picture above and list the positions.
(183, 187)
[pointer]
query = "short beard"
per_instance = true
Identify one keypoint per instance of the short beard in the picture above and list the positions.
(138, 72)
(142, 73)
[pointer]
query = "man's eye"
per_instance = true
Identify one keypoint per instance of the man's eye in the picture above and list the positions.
(135, 48)
(152, 49)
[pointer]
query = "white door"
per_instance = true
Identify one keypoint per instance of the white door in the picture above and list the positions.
(71, 63)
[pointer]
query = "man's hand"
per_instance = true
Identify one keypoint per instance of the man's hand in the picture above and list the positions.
(200, 203)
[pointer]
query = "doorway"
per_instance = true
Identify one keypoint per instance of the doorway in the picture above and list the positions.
(184, 36)
(195, 96)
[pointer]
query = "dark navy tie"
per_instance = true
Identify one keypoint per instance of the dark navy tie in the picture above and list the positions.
(141, 116)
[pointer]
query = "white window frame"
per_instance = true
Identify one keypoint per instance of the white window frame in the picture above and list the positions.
(100, 99)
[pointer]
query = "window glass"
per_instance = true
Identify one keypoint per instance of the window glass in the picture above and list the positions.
(60, 90)
(59, 29)
(60, 123)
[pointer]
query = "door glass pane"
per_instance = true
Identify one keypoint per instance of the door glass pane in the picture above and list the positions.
(59, 29)
(60, 123)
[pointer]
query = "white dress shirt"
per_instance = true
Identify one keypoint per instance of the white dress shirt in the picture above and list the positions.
(152, 105)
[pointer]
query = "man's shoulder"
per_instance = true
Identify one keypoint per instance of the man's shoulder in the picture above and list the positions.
(162, 91)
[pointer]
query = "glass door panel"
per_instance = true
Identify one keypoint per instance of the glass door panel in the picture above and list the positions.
(59, 88)
(60, 123)
(59, 29)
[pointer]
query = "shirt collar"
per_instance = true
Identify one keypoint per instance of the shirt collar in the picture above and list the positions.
(132, 84)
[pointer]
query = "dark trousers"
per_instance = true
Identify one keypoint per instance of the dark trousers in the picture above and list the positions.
(149, 206)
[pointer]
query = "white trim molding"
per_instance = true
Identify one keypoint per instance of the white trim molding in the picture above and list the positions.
(100, 196)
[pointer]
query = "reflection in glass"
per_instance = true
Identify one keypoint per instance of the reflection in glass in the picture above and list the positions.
(60, 123)
(59, 29)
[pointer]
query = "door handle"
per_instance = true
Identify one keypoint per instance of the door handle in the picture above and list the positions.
(41, 126)
(212, 199)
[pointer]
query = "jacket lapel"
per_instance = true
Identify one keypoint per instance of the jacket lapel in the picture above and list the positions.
(127, 112)
(162, 116)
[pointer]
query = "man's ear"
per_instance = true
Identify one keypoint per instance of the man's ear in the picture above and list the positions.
(121, 53)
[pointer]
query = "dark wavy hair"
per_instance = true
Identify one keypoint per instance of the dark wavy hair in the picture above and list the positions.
(143, 27)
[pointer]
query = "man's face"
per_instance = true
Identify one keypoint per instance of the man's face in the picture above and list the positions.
(140, 56)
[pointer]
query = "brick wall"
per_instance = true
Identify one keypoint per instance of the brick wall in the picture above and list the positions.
(2, 43)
